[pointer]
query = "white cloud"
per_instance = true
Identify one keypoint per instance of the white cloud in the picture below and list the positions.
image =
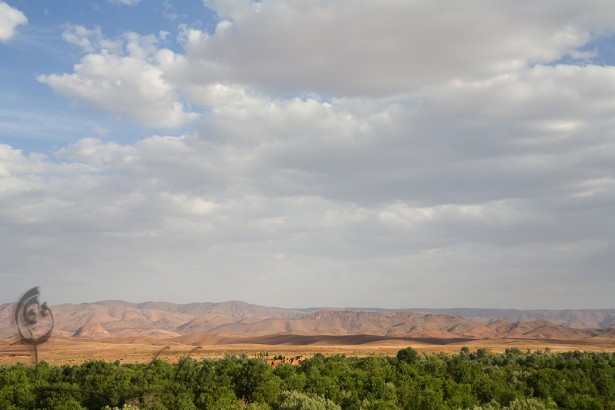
(447, 154)
(515, 186)
(10, 18)
(344, 48)
(125, 2)
(90, 40)
(124, 77)
(351, 47)
(520, 126)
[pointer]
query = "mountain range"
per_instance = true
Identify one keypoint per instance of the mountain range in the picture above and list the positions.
(234, 319)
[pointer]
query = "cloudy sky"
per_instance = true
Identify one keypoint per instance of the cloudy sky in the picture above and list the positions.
(385, 153)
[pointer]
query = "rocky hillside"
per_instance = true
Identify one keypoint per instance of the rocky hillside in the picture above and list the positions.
(159, 319)
(400, 325)
(120, 318)
(576, 318)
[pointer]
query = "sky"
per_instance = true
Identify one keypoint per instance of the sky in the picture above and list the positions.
(304, 153)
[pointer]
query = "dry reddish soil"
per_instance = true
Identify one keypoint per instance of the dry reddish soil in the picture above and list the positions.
(61, 350)
(137, 333)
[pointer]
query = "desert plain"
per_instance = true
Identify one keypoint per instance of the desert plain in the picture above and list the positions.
(139, 333)
(60, 351)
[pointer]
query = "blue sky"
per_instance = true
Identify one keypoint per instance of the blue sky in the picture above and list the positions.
(38, 48)
(390, 154)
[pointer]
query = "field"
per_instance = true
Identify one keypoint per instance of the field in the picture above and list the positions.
(60, 351)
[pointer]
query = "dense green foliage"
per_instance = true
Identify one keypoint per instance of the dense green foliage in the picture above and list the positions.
(470, 380)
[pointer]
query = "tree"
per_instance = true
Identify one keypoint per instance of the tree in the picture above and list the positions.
(408, 355)
(255, 382)
(295, 400)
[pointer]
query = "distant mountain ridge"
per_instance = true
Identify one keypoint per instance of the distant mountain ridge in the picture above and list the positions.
(400, 325)
(576, 318)
(120, 318)
(239, 319)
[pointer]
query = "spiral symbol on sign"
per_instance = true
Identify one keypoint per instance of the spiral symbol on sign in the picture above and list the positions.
(34, 321)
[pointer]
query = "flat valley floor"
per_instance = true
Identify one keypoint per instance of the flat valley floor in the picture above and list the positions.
(60, 351)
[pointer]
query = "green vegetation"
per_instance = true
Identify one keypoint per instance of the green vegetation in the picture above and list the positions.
(478, 380)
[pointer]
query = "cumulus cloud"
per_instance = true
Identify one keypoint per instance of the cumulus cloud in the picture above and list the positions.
(351, 47)
(333, 49)
(431, 148)
(125, 2)
(124, 76)
(10, 18)
(400, 147)
(89, 40)
(515, 186)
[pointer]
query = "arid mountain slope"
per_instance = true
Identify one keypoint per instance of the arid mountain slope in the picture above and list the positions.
(400, 325)
(239, 319)
(124, 318)
(577, 318)
(347, 322)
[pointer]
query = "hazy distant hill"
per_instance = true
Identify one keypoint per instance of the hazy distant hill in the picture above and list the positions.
(161, 319)
(576, 318)
(399, 325)
(579, 318)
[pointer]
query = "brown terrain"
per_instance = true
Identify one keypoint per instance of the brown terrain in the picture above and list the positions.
(116, 330)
